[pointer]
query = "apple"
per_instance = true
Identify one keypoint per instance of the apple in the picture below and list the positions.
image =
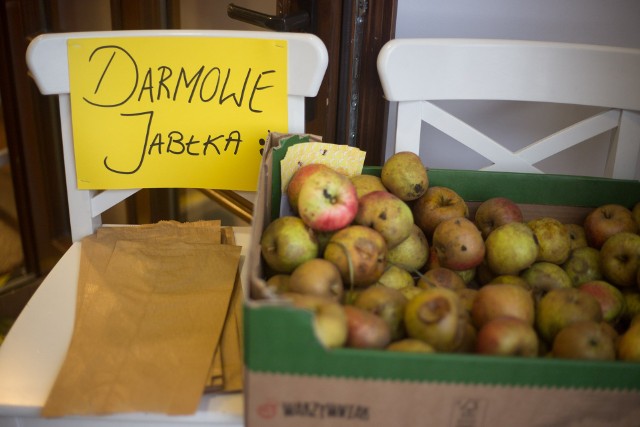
(410, 345)
(510, 279)
(410, 291)
(327, 201)
(493, 301)
(507, 336)
(628, 347)
(620, 259)
(329, 318)
(553, 239)
(511, 248)
(631, 304)
(286, 243)
(387, 303)
(561, 307)
(404, 175)
(458, 244)
(495, 212)
(360, 253)
(319, 277)
(586, 340)
(577, 235)
(278, 283)
(366, 184)
(396, 277)
(437, 317)
(609, 297)
(365, 329)
(437, 204)
(583, 265)
(635, 213)
(543, 276)
(299, 177)
(441, 277)
(412, 253)
(607, 220)
(387, 214)
(467, 297)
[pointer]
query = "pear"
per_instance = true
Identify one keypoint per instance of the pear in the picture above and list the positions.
(396, 278)
(412, 253)
(366, 184)
(404, 175)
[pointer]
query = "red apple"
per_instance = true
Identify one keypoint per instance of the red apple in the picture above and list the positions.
(494, 212)
(458, 244)
(437, 204)
(327, 201)
(607, 220)
(609, 297)
(300, 177)
(507, 336)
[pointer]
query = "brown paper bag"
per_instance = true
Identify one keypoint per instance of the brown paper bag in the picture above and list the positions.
(150, 318)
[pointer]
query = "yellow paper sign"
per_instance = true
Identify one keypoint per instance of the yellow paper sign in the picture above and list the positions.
(187, 112)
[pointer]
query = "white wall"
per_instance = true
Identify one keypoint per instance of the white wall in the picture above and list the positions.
(604, 22)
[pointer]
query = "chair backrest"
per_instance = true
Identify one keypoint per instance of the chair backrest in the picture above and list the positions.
(47, 62)
(416, 72)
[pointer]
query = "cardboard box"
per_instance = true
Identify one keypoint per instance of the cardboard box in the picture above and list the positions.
(291, 380)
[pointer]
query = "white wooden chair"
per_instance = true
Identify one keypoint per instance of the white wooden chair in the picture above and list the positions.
(415, 73)
(34, 349)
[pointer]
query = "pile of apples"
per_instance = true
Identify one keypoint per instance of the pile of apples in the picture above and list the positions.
(395, 264)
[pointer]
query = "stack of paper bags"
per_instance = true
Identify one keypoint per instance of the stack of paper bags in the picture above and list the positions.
(157, 321)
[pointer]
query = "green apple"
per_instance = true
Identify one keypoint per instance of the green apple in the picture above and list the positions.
(577, 235)
(494, 212)
(585, 339)
(628, 348)
(553, 239)
(387, 303)
(620, 259)
(441, 277)
(561, 307)
(583, 265)
(511, 248)
(286, 243)
(396, 278)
